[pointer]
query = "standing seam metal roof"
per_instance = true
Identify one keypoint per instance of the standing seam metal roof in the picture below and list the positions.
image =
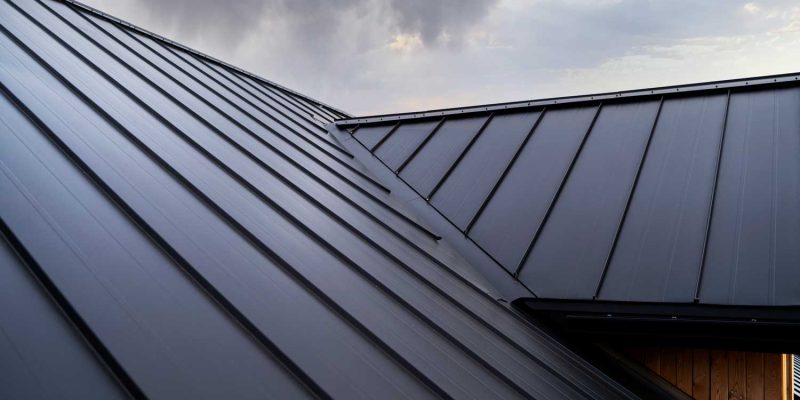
(178, 229)
(678, 195)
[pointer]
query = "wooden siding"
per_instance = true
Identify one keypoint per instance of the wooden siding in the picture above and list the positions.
(718, 374)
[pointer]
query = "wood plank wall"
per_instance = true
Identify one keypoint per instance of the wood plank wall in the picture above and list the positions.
(719, 375)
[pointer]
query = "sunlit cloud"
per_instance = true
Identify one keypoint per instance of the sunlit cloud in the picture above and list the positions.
(752, 8)
(404, 42)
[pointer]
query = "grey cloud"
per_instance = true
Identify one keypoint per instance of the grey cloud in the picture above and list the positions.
(228, 21)
(313, 45)
(582, 34)
(214, 20)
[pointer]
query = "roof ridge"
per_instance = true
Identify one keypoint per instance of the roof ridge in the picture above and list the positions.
(765, 80)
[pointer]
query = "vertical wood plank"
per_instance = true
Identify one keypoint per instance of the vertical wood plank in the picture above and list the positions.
(755, 376)
(719, 375)
(737, 385)
(684, 363)
(787, 376)
(701, 377)
(773, 369)
(667, 367)
(651, 358)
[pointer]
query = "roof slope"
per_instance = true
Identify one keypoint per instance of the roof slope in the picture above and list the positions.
(682, 194)
(178, 228)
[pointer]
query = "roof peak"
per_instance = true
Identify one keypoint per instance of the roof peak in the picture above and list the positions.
(722, 85)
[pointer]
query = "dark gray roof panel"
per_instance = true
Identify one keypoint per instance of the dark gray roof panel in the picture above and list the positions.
(444, 147)
(226, 251)
(188, 72)
(286, 117)
(516, 210)
(371, 136)
(568, 256)
(32, 330)
(216, 245)
(461, 195)
(677, 195)
(673, 194)
(753, 255)
(403, 142)
(285, 145)
(158, 324)
(162, 327)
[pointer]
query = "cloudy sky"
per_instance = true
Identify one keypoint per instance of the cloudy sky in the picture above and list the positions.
(376, 56)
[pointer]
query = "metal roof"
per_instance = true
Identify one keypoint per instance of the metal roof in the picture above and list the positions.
(172, 227)
(678, 195)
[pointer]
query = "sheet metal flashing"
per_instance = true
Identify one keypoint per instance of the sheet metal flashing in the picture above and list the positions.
(667, 91)
(763, 329)
(755, 314)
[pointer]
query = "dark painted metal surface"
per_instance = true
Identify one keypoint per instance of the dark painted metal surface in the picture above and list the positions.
(432, 161)
(675, 195)
(773, 329)
(672, 194)
(506, 225)
(33, 329)
(176, 228)
(402, 143)
(752, 255)
(466, 189)
(565, 260)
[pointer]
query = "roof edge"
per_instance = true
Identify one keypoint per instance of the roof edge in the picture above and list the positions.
(751, 313)
(762, 328)
(173, 43)
(759, 81)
